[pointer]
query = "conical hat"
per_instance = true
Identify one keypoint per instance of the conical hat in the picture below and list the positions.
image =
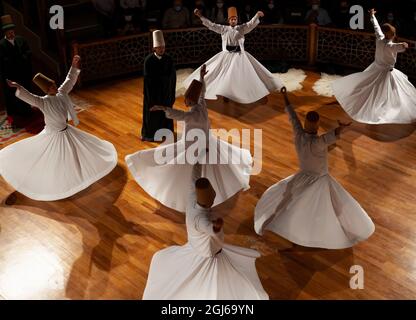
(7, 22)
(232, 12)
(205, 193)
(43, 82)
(194, 91)
(158, 39)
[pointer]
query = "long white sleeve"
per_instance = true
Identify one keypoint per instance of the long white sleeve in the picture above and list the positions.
(30, 98)
(70, 81)
(218, 28)
(377, 28)
(293, 117)
(249, 26)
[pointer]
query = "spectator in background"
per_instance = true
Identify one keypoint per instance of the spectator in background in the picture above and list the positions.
(342, 14)
(134, 12)
(392, 18)
(219, 13)
(200, 5)
(273, 13)
(317, 14)
(105, 11)
(248, 13)
(176, 17)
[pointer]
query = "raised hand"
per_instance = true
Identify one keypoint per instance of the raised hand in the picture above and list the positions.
(198, 13)
(372, 12)
(260, 14)
(203, 71)
(405, 45)
(76, 61)
(13, 84)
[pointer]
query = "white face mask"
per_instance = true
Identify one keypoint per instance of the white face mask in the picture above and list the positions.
(271, 6)
(220, 5)
(315, 7)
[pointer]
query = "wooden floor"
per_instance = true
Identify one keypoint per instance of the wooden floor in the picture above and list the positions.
(99, 243)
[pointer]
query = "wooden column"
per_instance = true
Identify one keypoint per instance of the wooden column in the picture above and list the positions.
(313, 44)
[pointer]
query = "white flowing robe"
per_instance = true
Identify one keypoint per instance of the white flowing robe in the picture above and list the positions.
(167, 181)
(311, 208)
(236, 75)
(205, 268)
(380, 94)
(61, 160)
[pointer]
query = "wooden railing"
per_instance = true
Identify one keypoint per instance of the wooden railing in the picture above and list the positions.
(301, 44)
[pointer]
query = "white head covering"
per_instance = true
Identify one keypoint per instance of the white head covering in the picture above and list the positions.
(158, 40)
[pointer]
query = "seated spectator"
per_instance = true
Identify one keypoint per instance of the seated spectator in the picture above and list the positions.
(219, 13)
(176, 17)
(106, 14)
(134, 12)
(273, 13)
(195, 20)
(247, 13)
(393, 19)
(317, 14)
(342, 14)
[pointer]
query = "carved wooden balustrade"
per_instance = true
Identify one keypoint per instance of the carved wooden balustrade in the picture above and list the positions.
(300, 44)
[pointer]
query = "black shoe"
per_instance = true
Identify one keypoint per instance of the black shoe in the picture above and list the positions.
(147, 139)
(226, 100)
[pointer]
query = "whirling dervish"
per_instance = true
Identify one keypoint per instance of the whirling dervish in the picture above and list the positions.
(234, 73)
(167, 178)
(62, 160)
(205, 268)
(380, 94)
(311, 208)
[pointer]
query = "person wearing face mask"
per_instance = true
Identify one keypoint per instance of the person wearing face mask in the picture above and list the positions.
(391, 18)
(176, 17)
(317, 14)
(380, 94)
(234, 73)
(273, 13)
(205, 268)
(342, 14)
(248, 13)
(219, 13)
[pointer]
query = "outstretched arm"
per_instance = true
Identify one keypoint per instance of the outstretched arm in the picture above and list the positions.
(377, 29)
(254, 22)
(209, 24)
(293, 117)
(174, 114)
(202, 75)
(72, 77)
(26, 96)
(400, 46)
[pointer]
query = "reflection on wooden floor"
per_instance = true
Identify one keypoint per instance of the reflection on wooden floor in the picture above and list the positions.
(99, 243)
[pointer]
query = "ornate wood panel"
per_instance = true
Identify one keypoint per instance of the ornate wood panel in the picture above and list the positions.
(126, 55)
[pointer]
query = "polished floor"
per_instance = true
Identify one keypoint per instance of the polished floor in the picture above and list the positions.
(99, 243)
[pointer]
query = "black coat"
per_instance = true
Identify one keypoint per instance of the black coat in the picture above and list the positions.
(15, 65)
(159, 89)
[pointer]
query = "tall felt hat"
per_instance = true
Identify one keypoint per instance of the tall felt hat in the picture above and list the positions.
(158, 39)
(43, 82)
(205, 193)
(7, 23)
(232, 12)
(194, 91)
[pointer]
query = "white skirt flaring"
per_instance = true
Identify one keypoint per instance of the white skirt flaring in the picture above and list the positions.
(169, 183)
(56, 165)
(377, 96)
(178, 273)
(313, 211)
(237, 76)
